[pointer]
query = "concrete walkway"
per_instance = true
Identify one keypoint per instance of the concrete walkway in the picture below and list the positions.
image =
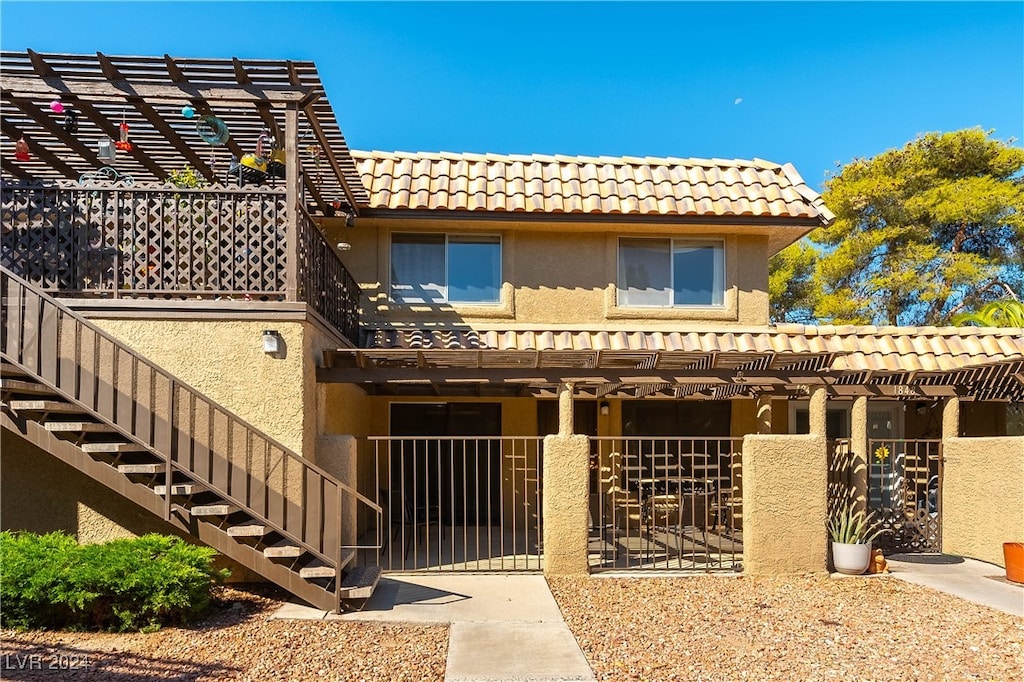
(969, 579)
(502, 627)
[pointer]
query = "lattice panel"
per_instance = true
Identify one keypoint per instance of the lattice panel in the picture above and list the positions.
(150, 240)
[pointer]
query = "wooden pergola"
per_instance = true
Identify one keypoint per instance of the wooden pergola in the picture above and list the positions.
(657, 374)
(283, 98)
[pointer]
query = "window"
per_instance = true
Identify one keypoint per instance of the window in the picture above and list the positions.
(671, 272)
(438, 268)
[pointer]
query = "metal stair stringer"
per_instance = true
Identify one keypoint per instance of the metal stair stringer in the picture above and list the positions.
(190, 437)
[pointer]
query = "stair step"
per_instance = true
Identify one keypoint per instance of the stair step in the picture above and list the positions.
(222, 509)
(78, 427)
(16, 386)
(45, 406)
(9, 370)
(360, 582)
(282, 552)
(248, 531)
(111, 447)
(141, 468)
(311, 572)
(178, 489)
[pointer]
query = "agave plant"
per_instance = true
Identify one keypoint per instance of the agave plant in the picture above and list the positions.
(853, 527)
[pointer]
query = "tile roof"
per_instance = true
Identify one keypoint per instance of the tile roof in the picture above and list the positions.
(854, 348)
(588, 185)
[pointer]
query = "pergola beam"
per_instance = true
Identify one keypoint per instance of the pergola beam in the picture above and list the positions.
(56, 86)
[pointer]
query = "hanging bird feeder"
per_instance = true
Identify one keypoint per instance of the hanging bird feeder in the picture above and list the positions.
(123, 145)
(105, 150)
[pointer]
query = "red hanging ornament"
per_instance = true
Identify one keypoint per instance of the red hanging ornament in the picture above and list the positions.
(123, 144)
(21, 150)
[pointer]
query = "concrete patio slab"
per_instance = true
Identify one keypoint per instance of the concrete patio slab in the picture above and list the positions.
(969, 579)
(459, 598)
(492, 651)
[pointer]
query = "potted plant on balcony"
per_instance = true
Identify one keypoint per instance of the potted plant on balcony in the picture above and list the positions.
(852, 532)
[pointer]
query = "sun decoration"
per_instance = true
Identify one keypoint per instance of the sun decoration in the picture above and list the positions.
(881, 453)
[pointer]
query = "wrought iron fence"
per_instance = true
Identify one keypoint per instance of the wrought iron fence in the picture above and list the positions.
(666, 504)
(458, 504)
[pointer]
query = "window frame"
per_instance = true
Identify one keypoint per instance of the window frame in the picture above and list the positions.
(446, 285)
(722, 291)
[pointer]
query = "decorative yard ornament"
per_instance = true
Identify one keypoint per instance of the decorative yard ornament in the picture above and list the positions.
(57, 107)
(188, 112)
(70, 121)
(212, 130)
(21, 150)
(105, 150)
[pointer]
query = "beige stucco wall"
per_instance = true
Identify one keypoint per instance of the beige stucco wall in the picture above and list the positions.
(784, 504)
(982, 496)
(560, 274)
(225, 360)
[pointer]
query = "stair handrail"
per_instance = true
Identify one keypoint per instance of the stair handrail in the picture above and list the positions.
(34, 369)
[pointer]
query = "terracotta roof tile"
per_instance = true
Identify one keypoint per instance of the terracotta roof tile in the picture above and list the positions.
(886, 349)
(566, 184)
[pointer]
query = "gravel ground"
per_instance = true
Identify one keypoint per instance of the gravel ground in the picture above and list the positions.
(236, 642)
(794, 628)
(694, 628)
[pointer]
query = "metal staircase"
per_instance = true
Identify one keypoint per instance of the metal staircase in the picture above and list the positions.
(92, 402)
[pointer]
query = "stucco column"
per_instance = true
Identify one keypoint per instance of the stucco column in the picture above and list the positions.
(566, 493)
(816, 411)
(859, 451)
(951, 418)
(565, 407)
(784, 504)
(337, 455)
(764, 413)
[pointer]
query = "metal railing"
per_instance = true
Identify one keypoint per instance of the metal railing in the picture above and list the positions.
(458, 504)
(151, 241)
(194, 436)
(324, 281)
(666, 503)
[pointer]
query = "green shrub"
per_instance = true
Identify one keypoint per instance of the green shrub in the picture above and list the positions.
(50, 581)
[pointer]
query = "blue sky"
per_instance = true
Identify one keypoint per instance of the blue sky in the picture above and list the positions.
(806, 82)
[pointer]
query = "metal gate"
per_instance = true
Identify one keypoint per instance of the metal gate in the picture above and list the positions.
(458, 504)
(666, 504)
(905, 493)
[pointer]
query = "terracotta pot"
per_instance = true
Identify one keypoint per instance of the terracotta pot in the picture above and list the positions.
(851, 559)
(1013, 554)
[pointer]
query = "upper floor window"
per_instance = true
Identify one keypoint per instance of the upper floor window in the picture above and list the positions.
(671, 272)
(440, 268)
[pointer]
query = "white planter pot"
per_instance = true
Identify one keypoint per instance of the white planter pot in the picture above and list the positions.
(851, 559)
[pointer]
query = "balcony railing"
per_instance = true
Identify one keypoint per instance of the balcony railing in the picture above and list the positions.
(149, 241)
